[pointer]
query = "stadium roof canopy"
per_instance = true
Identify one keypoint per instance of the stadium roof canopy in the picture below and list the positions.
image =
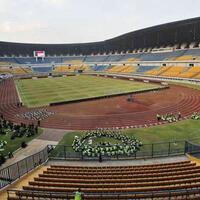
(170, 34)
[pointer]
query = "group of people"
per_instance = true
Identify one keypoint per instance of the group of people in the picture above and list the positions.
(169, 117)
(195, 116)
(18, 130)
(19, 104)
(36, 115)
(88, 146)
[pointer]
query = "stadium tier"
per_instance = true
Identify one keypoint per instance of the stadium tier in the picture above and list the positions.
(42, 69)
(176, 55)
(159, 181)
(174, 71)
(175, 63)
(143, 69)
(100, 67)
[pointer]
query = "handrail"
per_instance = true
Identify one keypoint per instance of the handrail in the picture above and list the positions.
(152, 194)
(14, 171)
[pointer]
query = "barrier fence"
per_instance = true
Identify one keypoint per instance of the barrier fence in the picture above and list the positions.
(169, 194)
(146, 151)
(13, 172)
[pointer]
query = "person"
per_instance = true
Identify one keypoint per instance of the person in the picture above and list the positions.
(38, 123)
(100, 157)
(78, 195)
(158, 117)
(179, 115)
(131, 98)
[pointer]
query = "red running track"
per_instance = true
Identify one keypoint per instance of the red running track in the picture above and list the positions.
(110, 112)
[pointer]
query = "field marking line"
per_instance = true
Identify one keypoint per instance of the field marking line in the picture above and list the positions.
(16, 86)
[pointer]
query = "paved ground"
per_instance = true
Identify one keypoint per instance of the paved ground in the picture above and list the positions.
(33, 147)
(121, 162)
(49, 136)
(52, 134)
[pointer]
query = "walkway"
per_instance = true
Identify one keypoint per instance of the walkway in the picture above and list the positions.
(49, 136)
(120, 162)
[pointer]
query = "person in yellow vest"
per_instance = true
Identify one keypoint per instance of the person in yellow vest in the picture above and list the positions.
(78, 195)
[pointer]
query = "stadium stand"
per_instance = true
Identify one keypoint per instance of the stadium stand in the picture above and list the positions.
(129, 69)
(16, 70)
(174, 71)
(100, 67)
(157, 70)
(176, 55)
(184, 58)
(60, 69)
(115, 58)
(96, 58)
(21, 70)
(191, 72)
(197, 75)
(143, 69)
(123, 69)
(156, 181)
(64, 69)
(42, 69)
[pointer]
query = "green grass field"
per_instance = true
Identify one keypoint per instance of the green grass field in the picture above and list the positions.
(43, 91)
(13, 145)
(180, 131)
(183, 130)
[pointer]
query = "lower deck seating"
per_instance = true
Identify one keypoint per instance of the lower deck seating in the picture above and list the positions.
(122, 69)
(60, 69)
(174, 71)
(21, 70)
(100, 67)
(157, 71)
(15, 70)
(191, 72)
(143, 69)
(5, 70)
(180, 180)
(42, 69)
(64, 69)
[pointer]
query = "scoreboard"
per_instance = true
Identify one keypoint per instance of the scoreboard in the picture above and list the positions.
(39, 54)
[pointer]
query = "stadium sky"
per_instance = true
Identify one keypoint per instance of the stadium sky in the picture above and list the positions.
(74, 21)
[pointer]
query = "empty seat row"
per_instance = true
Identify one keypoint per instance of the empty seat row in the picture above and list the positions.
(179, 180)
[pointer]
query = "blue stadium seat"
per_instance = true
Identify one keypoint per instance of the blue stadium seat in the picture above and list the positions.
(42, 69)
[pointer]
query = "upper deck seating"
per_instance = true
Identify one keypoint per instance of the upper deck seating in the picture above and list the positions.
(114, 58)
(179, 55)
(161, 55)
(96, 58)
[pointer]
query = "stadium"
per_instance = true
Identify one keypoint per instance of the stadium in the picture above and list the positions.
(115, 119)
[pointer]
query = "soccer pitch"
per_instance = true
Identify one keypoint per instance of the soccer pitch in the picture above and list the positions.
(42, 91)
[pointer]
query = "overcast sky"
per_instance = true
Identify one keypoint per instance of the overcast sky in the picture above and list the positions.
(74, 21)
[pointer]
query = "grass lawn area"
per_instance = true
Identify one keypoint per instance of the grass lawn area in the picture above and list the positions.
(180, 131)
(13, 145)
(43, 91)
